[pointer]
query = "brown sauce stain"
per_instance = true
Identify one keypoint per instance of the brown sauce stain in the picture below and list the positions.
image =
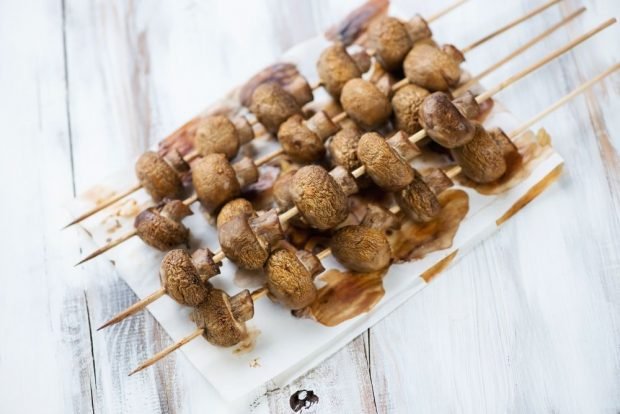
(416, 240)
(533, 150)
(98, 194)
(248, 343)
(345, 295)
(439, 267)
(531, 194)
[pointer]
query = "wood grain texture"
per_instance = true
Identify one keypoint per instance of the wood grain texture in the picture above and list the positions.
(527, 322)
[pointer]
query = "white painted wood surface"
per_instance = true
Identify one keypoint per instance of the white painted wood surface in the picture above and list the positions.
(528, 322)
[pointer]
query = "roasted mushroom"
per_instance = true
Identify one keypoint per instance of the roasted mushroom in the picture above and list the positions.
(342, 148)
(248, 241)
(481, 159)
(234, 208)
(390, 40)
(281, 190)
(290, 277)
(406, 103)
(360, 248)
(467, 105)
(223, 324)
(418, 201)
(335, 68)
(158, 177)
(383, 164)
(181, 279)
(431, 68)
(161, 227)
(216, 181)
(319, 198)
(217, 134)
(443, 121)
(299, 142)
(365, 103)
(272, 105)
(418, 29)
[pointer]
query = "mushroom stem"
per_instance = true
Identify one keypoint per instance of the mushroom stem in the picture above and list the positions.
(168, 350)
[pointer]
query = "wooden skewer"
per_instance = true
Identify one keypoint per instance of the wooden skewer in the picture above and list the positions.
(445, 11)
(257, 294)
(467, 85)
(491, 35)
(287, 215)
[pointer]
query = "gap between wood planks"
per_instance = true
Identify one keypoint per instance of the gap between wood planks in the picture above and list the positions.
(73, 185)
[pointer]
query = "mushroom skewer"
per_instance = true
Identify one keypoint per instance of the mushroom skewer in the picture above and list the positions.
(344, 59)
(413, 139)
(204, 266)
(240, 309)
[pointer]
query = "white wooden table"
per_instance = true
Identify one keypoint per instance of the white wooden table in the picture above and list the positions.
(528, 322)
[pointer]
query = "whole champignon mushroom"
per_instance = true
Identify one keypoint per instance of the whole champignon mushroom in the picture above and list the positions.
(391, 42)
(289, 281)
(215, 181)
(216, 316)
(299, 142)
(418, 201)
(272, 105)
(342, 148)
(161, 227)
(431, 68)
(443, 121)
(217, 134)
(417, 28)
(320, 200)
(481, 159)
(181, 279)
(361, 249)
(281, 190)
(467, 105)
(335, 68)
(158, 177)
(247, 241)
(406, 103)
(234, 208)
(365, 103)
(384, 166)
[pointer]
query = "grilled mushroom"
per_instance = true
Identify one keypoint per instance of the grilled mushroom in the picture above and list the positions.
(431, 68)
(336, 67)
(272, 105)
(180, 277)
(319, 198)
(443, 121)
(406, 103)
(386, 168)
(390, 39)
(481, 159)
(161, 227)
(360, 248)
(365, 103)
(299, 142)
(418, 29)
(216, 315)
(217, 134)
(290, 277)
(158, 177)
(418, 201)
(234, 208)
(342, 148)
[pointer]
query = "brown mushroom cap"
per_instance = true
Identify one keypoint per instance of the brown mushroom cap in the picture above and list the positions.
(391, 41)
(215, 181)
(157, 177)
(181, 279)
(217, 134)
(406, 104)
(335, 68)
(418, 29)
(386, 168)
(299, 142)
(282, 190)
(234, 208)
(418, 201)
(288, 280)
(431, 68)
(160, 232)
(361, 249)
(241, 245)
(343, 148)
(467, 105)
(481, 159)
(320, 200)
(272, 105)
(365, 103)
(215, 316)
(443, 121)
